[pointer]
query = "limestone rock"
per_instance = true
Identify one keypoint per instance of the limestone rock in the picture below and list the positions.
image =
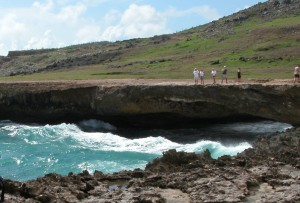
(151, 105)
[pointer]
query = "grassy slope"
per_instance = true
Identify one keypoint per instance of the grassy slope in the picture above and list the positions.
(270, 50)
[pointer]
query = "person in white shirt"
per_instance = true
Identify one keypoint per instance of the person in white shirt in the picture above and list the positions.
(296, 74)
(196, 75)
(214, 73)
(201, 74)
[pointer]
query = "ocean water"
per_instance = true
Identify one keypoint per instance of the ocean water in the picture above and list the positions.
(31, 151)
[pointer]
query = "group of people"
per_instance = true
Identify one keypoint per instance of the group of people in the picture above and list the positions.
(200, 75)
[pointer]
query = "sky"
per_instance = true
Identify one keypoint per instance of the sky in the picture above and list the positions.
(37, 24)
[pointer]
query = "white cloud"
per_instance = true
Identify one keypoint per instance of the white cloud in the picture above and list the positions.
(44, 41)
(71, 14)
(88, 33)
(10, 27)
(112, 17)
(45, 26)
(11, 32)
(94, 2)
(2, 48)
(44, 7)
(137, 21)
(57, 23)
(205, 12)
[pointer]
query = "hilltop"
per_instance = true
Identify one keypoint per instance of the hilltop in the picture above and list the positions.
(263, 40)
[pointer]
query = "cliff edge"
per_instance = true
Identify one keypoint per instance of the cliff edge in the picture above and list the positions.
(147, 103)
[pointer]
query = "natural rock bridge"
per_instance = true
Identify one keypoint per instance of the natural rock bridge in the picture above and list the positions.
(147, 103)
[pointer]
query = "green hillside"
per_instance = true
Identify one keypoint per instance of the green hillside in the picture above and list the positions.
(264, 41)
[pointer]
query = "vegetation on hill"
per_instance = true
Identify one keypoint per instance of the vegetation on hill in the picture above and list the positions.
(264, 41)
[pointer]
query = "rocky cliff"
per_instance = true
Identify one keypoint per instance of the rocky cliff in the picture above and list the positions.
(147, 104)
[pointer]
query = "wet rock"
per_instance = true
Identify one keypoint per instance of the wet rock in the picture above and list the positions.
(46, 198)
(173, 160)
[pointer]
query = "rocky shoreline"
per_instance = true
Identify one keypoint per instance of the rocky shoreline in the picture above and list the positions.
(268, 172)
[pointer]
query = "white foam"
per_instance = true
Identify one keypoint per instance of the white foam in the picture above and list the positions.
(17, 160)
(109, 166)
(112, 142)
(94, 125)
(153, 145)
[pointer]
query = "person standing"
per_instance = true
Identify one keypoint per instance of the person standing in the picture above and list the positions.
(239, 75)
(214, 73)
(196, 75)
(224, 74)
(201, 74)
(296, 74)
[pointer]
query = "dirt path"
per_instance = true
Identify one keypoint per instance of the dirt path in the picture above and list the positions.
(118, 82)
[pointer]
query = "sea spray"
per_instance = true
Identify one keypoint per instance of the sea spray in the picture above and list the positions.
(30, 151)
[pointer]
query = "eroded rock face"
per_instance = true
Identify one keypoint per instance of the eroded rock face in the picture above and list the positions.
(147, 105)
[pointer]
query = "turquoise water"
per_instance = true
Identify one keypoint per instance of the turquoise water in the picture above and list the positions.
(30, 151)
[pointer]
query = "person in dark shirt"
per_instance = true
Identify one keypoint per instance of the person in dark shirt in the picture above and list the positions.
(239, 74)
(224, 74)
